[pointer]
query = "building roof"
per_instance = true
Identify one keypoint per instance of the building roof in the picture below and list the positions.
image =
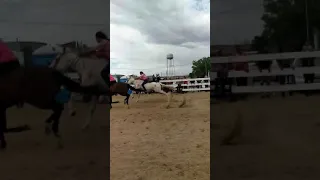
(48, 49)
(20, 45)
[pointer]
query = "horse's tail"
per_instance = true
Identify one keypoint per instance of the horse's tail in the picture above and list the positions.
(76, 87)
(134, 89)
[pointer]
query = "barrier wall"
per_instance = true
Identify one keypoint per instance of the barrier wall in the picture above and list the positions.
(295, 70)
(197, 84)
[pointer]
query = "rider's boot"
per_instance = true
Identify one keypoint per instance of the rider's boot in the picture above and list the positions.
(144, 89)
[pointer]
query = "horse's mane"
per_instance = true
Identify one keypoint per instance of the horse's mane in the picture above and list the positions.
(73, 51)
(132, 76)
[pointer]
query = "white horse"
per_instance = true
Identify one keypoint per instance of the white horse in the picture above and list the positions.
(154, 86)
(89, 69)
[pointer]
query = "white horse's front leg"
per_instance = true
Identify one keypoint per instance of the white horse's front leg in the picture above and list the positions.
(71, 109)
(92, 108)
(138, 97)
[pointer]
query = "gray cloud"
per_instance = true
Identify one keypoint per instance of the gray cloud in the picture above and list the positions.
(53, 21)
(161, 23)
(234, 21)
(143, 32)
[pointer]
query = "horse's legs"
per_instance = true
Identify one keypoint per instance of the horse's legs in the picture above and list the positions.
(54, 121)
(126, 100)
(3, 127)
(92, 108)
(71, 109)
(169, 96)
(138, 97)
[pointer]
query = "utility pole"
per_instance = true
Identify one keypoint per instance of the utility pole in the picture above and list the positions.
(307, 19)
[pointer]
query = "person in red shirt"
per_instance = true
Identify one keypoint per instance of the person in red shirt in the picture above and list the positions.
(102, 50)
(8, 60)
(144, 78)
(8, 63)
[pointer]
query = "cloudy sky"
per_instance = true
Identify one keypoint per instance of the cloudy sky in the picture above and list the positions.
(143, 32)
(235, 21)
(53, 21)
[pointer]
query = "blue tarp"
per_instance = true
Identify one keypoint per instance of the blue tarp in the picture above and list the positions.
(43, 60)
(123, 80)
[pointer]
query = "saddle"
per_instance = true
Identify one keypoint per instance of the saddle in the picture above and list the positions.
(139, 86)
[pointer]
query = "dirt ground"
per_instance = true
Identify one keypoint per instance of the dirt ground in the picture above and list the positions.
(148, 142)
(280, 139)
(33, 155)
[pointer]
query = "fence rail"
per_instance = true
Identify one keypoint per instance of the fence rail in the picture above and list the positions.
(198, 84)
(294, 70)
(190, 85)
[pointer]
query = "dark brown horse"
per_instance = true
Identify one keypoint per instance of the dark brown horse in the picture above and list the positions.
(122, 89)
(37, 86)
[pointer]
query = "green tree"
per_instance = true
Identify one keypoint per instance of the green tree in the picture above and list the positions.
(285, 24)
(200, 68)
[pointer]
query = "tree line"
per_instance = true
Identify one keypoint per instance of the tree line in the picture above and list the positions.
(285, 25)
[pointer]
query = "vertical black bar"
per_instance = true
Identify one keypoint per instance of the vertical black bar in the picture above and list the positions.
(108, 6)
(33, 155)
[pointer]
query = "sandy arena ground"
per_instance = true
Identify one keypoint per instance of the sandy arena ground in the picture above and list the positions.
(280, 139)
(148, 142)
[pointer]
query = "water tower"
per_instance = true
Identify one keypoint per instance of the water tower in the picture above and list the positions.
(170, 65)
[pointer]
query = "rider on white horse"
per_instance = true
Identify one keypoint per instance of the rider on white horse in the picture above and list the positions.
(102, 50)
(144, 78)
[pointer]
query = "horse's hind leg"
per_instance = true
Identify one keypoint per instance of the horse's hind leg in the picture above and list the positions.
(3, 127)
(54, 121)
(169, 96)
